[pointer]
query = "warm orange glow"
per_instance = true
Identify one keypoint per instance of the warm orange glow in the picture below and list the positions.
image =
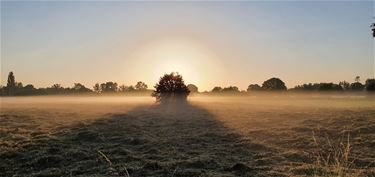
(187, 57)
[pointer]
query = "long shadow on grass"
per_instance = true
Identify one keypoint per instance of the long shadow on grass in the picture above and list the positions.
(160, 140)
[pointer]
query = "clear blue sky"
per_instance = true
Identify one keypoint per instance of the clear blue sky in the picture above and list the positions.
(210, 43)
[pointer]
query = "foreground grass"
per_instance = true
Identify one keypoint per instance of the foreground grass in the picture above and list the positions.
(208, 137)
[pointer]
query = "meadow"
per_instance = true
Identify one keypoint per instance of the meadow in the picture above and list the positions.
(275, 135)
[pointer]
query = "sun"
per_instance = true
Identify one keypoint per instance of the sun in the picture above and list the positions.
(187, 57)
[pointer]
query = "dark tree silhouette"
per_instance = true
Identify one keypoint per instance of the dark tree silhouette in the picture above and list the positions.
(80, 88)
(171, 88)
(273, 84)
(370, 84)
(357, 86)
(11, 84)
(29, 87)
(97, 88)
(217, 89)
(231, 89)
(344, 85)
(329, 87)
(192, 88)
(254, 87)
(108, 87)
(141, 86)
(56, 86)
(357, 79)
(124, 88)
(373, 30)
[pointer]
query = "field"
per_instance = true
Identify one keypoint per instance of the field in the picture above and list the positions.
(274, 135)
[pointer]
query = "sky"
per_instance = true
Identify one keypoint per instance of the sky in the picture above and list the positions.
(209, 43)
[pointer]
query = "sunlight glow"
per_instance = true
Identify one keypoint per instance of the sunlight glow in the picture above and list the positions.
(184, 56)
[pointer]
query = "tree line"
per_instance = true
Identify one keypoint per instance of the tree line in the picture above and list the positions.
(272, 84)
(14, 88)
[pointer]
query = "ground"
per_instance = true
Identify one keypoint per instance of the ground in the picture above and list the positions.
(278, 135)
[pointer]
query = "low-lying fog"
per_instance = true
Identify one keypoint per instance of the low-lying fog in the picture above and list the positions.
(262, 135)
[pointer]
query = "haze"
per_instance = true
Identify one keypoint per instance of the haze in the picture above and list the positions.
(209, 43)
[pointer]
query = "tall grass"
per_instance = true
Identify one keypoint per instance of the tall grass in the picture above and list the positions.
(334, 158)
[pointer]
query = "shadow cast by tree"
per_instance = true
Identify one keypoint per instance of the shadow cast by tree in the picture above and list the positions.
(158, 140)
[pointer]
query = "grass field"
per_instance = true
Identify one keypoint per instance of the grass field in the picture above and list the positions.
(209, 136)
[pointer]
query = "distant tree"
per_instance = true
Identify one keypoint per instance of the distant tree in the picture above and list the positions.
(80, 88)
(217, 89)
(19, 85)
(108, 87)
(170, 88)
(357, 79)
(56, 87)
(97, 88)
(11, 84)
(357, 86)
(124, 88)
(373, 30)
(344, 85)
(231, 89)
(2, 90)
(141, 86)
(329, 87)
(192, 88)
(131, 89)
(29, 87)
(254, 87)
(370, 84)
(27, 90)
(273, 84)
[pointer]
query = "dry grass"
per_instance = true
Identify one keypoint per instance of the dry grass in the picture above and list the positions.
(242, 136)
(333, 159)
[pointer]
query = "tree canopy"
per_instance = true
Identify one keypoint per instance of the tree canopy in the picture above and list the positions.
(192, 88)
(171, 87)
(274, 84)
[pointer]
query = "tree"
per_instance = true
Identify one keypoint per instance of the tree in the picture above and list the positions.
(19, 85)
(344, 85)
(29, 87)
(370, 84)
(108, 87)
(216, 89)
(131, 89)
(357, 86)
(192, 88)
(124, 88)
(273, 84)
(141, 86)
(373, 30)
(329, 87)
(56, 86)
(254, 87)
(11, 84)
(357, 79)
(171, 88)
(97, 88)
(231, 89)
(80, 88)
